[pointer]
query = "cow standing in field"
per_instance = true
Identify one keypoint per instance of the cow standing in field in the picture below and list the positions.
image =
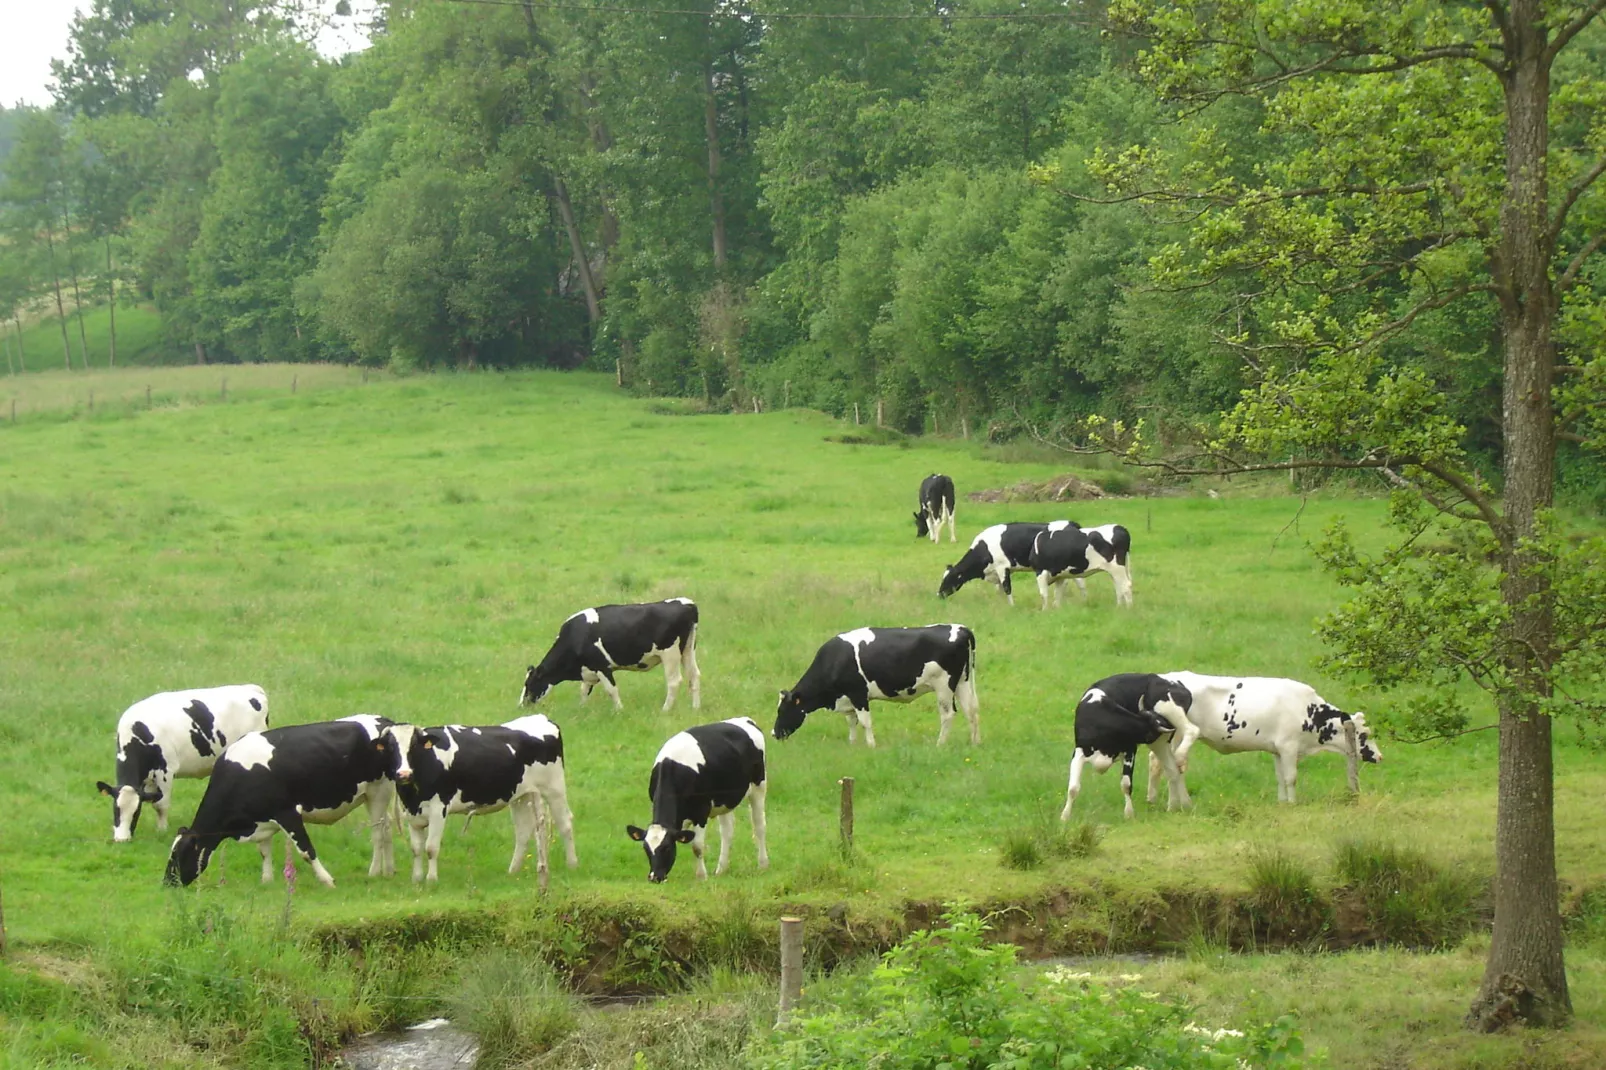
(175, 734)
(1066, 550)
(995, 553)
(1119, 714)
(704, 772)
(595, 643)
(458, 770)
(895, 664)
(278, 780)
(936, 508)
(1234, 714)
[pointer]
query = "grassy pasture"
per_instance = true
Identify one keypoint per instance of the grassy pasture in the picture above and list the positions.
(408, 547)
(139, 340)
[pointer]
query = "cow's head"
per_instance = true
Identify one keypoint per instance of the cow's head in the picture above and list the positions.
(126, 802)
(921, 530)
(1363, 740)
(970, 567)
(398, 746)
(789, 714)
(535, 687)
(187, 859)
(659, 843)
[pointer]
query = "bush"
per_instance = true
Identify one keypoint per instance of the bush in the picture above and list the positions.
(945, 999)
(515, 1005)
(1284, 900)
(1408, 899)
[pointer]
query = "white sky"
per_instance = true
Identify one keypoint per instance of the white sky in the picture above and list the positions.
(33, 32)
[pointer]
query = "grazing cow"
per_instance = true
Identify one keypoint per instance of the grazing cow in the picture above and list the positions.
(1066, 550)
(175, 734)
(1115, 717)
(280, 779)
(704, 772)
(886, 663)
(457, 770)
(1233, 714)
(595, 643)
(936, 508)
(995, 553)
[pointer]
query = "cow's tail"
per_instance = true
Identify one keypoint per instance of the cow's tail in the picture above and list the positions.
(1122, 542)
(967, 682)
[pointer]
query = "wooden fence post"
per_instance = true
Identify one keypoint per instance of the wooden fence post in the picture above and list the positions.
(294, 379)
(147, 395)
(845, 821)
(91, 401)
(791, 965)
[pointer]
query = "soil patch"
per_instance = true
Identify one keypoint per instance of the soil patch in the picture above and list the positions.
(1062, 488)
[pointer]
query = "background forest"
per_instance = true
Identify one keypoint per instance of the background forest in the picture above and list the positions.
(882, 210)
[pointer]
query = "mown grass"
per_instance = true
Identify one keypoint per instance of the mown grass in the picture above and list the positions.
(408, 547)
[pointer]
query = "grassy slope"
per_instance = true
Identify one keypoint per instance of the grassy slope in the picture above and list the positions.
(139, 340)
(409, 547)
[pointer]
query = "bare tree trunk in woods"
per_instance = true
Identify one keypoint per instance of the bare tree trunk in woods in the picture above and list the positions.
(200, 352)
(716, 203)
(111, 306)
(61, 309)
(578, 249)
(1525, 976)
(77, 295)
(601, 142)
(22, 354)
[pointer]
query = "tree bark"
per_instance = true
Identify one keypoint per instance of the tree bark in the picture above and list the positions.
(61, 309)
(22, 354)
(716, 202)
(200, 352)
(77, 295)
(111, 307)
(1525, 976)
(578, 249)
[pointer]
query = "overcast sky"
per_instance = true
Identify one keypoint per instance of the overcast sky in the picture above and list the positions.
(33, 32)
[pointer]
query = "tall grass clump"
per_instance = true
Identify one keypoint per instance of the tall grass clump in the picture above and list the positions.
(1029, 848)
(514, 1004)
(947, 998)
(1283, 897)
(1407, 897)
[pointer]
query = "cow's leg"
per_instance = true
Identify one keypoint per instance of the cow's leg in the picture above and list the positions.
(526, 826)
(1007, 587)
(1176, 795)
(1074, 788)
(587, 682)
(698, 846)
(1126, 781)
(164, 788)
(1081, 587)
(755, 806)
(1153, 793)
(290, 821)
(672, 676)
(951, 536)
(432, 845)
(611, 688)
(265, 845)
(727, 832)
(933, 525)
(853, 726)
(1044, 581)
(694, 678)
(556, 798)
(380, 803)
(869, 729)
(1121, 576)
(1287, 772)
(945, 710)
(1059, 594)
(418, 839)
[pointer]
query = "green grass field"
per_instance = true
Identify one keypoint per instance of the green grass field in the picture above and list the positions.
(407, 547)
(139, 340)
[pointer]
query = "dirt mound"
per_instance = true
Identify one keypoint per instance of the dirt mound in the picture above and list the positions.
(1064, 488)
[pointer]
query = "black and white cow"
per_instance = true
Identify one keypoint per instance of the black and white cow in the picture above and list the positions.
(278, 780)
(936, 508)
(595, 643)
(995, 553)
(1121, 713)
(1234, 714)
(458, 770)
(704, 772)
(175, 734)
(1066, 550)
(895, 664)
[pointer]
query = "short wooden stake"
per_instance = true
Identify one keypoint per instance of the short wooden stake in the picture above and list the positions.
(294, 379)
(791, 965)
(855, 414)
(147, 396)
(91, 401)
(845, 824)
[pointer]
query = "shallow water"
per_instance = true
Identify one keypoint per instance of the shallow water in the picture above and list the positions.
(431, 1045)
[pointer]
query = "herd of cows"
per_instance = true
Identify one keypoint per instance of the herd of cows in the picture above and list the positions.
(268, 780)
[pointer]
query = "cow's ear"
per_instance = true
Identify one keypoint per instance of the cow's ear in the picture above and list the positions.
(105, 788)
(379, 744)
(635, 833)
(685, 835)
(529, 670)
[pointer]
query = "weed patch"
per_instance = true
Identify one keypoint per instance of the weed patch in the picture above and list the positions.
(514, 1005)
(1407, 898)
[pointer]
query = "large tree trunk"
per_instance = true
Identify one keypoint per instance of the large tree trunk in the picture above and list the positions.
(111, 307)
(716, 202)
(61, 309)
(578, 249)
(1525, 976)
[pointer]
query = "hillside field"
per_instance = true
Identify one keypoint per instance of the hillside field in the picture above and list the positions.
(407, 547)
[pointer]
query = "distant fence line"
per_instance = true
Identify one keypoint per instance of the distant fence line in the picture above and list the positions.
(62, 399)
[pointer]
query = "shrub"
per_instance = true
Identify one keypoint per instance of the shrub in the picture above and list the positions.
(1283, 898)
(1029, 848)
(514, 1004)
(1408, 899)
(945, 999)
(1020, 851)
